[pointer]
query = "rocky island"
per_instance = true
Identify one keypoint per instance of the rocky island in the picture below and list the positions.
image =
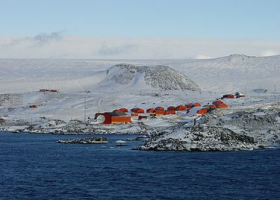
(89, 140)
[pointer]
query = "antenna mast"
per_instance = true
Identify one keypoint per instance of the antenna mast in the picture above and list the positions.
(85, 110)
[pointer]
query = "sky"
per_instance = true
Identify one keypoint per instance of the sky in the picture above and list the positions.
(138, 29)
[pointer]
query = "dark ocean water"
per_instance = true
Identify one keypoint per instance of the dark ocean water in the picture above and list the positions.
(36, 167)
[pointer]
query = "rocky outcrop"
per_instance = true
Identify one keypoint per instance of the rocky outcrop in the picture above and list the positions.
(90, 140)
(222, 130)
(158, 77)
(199, 139)
(239, 57)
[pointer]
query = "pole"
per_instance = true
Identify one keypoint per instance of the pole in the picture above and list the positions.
(85, 110)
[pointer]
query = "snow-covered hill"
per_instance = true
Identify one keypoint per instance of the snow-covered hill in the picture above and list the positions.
(226, 74)
(147, 77)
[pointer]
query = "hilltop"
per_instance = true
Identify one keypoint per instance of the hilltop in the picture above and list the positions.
(148, 77)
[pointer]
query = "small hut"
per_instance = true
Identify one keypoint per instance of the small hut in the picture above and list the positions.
(192, 105)
(171, 108)
(220, 104)
(196, 104)
(150, 110)
(181, 108)
(169, 112)
(228, 96)
(203, 111)
(159, 108)
(159, 112)
(123, 109)
(137, 110)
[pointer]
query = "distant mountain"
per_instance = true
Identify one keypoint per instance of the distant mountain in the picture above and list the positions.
(156, 77)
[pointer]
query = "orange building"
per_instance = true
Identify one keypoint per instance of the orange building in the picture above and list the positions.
(137, 110)
(150, 110)
(159, 108)
(171, 108)
(181, 107)
(220, 104)
(192, 105)
(202, 111)
(228, 96)
(170, 112)
(33, 106)
(112, 118)
(159, 112)
(123, 109)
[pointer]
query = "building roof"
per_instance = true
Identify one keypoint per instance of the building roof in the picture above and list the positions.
(117, 113)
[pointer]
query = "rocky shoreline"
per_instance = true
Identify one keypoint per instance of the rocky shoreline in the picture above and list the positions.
(89, 140)
(221, 131)
(199, 139)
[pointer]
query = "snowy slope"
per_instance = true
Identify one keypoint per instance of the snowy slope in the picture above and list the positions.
(103, 85)
(227, 74)
(231, 73)
(146, 77)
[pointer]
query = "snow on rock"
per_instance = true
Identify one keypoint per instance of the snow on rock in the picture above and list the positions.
(260, 90)
(262, 124)
(157, 77)
(199, 139)
(222, 130)
(238, 57)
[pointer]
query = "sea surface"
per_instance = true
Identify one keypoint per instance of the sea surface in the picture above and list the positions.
(35, 166)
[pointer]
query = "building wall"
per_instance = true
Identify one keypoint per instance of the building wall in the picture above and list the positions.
(120, 119)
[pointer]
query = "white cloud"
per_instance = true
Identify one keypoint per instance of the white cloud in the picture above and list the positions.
(45, 38)
(116, 50)
(53, 45)
(269, 53)
(37, 40)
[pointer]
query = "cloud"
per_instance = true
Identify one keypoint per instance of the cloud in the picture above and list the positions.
(55, 45)
(37, 40)
(269, 53)
(116, 50)
(45, 38)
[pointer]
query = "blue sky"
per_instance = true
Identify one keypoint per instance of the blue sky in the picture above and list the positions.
(219, 20)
